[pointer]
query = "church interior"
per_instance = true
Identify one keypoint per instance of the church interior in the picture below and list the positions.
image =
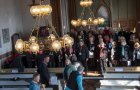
(69, 45)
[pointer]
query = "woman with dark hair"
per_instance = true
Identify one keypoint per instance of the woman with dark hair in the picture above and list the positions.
(82, 54)
(92, 63)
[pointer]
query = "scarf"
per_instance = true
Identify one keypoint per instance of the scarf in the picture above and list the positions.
(123, 51)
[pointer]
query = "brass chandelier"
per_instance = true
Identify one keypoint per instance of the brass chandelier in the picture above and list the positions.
(35, 43)
(81, 21)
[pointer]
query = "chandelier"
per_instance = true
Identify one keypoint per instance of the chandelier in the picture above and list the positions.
(86, 4)
(35, 43)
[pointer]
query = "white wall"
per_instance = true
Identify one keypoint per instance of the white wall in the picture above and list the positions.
(10, 17)
(15, 15)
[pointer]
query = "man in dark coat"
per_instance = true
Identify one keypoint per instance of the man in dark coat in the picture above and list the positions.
(123, 54)
(44, 72)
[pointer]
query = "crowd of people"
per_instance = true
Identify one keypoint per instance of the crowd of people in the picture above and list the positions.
(92, 50)
(95, 50)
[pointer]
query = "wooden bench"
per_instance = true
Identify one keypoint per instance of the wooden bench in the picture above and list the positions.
(23, 84)
(120, 81)
(11, 76)
(32, 70)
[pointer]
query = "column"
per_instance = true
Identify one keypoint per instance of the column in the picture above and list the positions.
(64, 16)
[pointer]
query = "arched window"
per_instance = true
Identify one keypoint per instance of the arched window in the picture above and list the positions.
(102, 11)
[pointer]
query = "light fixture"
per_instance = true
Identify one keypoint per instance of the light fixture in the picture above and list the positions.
(56, 45)
(86, 3)
(34, 47)
(36, 43)
(91, 20)
(40, 10)
(33, 39)
(19, 46)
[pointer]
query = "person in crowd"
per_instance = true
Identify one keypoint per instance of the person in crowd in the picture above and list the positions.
(92, 63)
(106, 31)
(119, 40)
(72, 67)
(68, 69)
(113, 53)
(122, 32)
(34, 84)
(44, 72)
(52, 62)
(108, 42)
(82, 54)
(73, 34)
(62, 57)
(132, 42)
(101, 55)
(29, 58)
(136, 54)
(68, 52)
(123, 53)
(39, 58)
(75, 80)
(57, 59)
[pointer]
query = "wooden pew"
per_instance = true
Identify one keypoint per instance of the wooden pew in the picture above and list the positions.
(24, 84)
(31, 71)
(14, 83)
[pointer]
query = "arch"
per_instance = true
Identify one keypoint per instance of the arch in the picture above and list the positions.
(104, 11)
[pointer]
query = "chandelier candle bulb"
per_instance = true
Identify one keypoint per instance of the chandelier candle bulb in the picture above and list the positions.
(95, 22)
(84, 22)
(134, 31)
(33, 39)
(19, 46)
(52, 37)
(119, 25)
(34, 47)
(56, 45)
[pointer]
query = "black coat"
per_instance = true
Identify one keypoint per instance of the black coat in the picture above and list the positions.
(92, 48)
(84, 53)
(40, 58)
(127, 54)
(44, 74)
